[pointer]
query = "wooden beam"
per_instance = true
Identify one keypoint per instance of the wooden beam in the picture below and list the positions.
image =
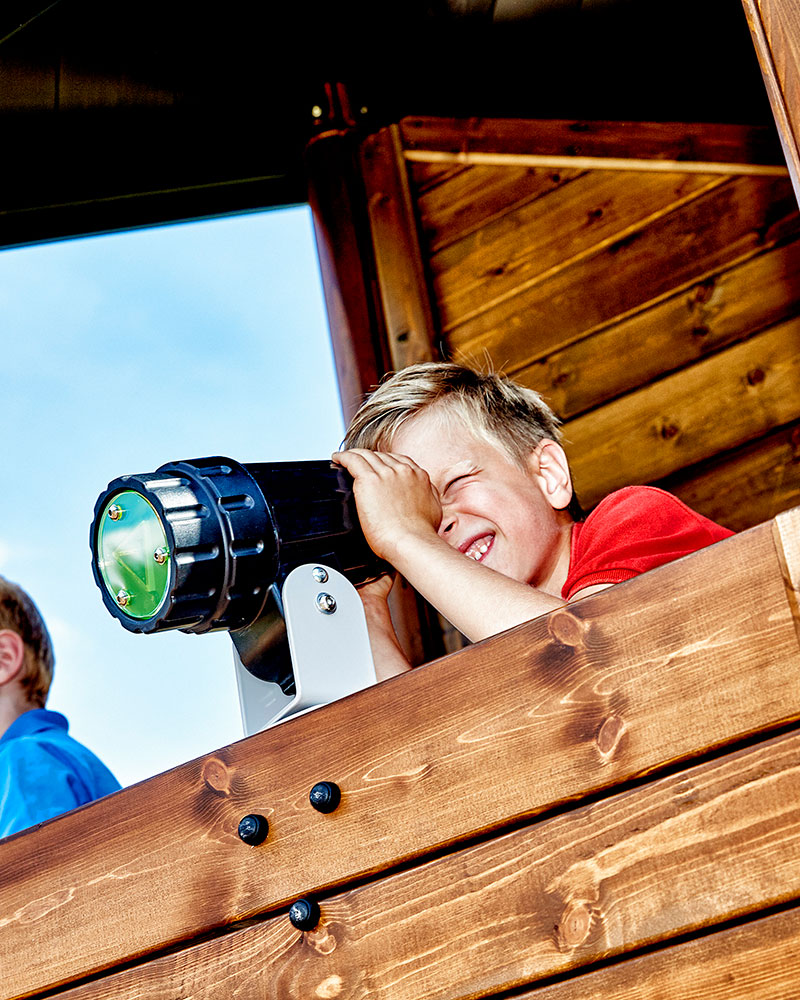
(707, 845)
(341, 228)
(402, 283)
(723, 401)
(596, 163)
(775, 27)
(687, 658)
(675, 142)
(685, 327)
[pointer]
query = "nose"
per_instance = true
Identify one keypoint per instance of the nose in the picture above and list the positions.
(447, 524)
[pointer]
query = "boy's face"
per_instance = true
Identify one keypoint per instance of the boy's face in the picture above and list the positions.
(493, 511)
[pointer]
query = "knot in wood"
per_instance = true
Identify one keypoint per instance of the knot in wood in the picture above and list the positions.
(755, 376)
(669, 430)
(322, 941)
(576, 923)
(609, 735)
(567, 629)
(217, 776)
(329, 988)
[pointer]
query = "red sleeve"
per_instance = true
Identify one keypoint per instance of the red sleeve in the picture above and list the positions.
(632, 531)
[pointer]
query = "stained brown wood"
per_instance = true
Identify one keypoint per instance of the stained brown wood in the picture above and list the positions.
(708, 315)
(747, 486)
(647, 140)
(552, 233)
(723, 401)
(342, 236)
(407, 314)
(706, 845)
(690, 656)
(760, 961)
(677, 250)
(464, 202)
(787, 543)
(775, 27)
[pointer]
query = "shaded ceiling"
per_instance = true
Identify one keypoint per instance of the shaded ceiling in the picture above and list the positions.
(119, 115)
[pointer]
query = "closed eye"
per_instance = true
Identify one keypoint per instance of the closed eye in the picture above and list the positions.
(457, 479)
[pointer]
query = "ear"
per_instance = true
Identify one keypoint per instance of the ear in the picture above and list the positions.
(551, 468)
(12, 655)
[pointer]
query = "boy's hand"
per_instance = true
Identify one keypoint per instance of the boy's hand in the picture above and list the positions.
(395, 500)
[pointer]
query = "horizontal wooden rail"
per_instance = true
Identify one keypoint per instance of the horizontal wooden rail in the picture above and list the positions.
(689, 657)
(715, 842)
(676, 141)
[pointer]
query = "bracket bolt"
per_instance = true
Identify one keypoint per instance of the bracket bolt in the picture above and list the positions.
(326, 603)
(304, 914)
(123, 598)
(319, 573)
(115, 512)
(161, 555)
(325, 796)
(253, 829)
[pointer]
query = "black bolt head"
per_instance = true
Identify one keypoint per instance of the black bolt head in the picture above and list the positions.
(304, 914)
(253, 829)
(325, 796)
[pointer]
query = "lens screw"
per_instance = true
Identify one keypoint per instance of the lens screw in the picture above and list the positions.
(326, 603)
(304, 914)
(325, 796)
(319, 574)
(115, 512)
(123, 598)
(253, 829)
(161, 554)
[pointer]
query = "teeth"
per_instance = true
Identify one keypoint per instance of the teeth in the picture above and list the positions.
(478, 549)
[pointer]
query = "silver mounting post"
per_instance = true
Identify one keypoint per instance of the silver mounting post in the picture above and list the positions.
(328, 647)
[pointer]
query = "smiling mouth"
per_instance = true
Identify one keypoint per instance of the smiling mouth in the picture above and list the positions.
(478, 548)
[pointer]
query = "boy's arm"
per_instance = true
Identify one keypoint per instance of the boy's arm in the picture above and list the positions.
(387, 654)
(400, 514)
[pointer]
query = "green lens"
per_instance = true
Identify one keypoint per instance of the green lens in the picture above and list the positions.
(133, 555)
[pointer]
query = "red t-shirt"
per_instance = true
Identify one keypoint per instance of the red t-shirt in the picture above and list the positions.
(633, 530)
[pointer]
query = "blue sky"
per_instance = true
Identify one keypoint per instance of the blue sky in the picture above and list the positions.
(120, 353)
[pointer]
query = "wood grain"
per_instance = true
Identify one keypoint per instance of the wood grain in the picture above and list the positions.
(710, 314)
(403, 291)
(676, 251)
(716, 842)
(532, 244)
(475, 196)
(760, 961)
(714, 405)
(560, 137)
(690, 656)
(746, 486)
(787, 543)
(775, 27)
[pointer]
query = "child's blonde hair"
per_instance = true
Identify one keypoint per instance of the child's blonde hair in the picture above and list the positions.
(491, 405)
(19, 614)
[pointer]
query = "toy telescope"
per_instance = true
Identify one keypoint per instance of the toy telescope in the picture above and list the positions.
(269, 552)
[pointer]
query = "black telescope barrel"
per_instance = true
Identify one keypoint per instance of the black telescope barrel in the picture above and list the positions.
(234, 530)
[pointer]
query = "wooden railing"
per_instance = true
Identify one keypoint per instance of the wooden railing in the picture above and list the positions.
(602, 802)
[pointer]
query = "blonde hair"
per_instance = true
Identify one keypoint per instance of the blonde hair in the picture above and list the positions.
(19, 614)
(491, 405)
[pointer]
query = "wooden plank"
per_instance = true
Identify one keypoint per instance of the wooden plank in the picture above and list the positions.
(760, 961)
(342, 237)
(690, 141)
(472, 198)
(690, 656)
(677, 250)
(714, 405)
(543, 237)
(787, 542)
(703, 846)
(708, 315)
(746, 486)
(402, 286)
(594, 163)
(775, 27)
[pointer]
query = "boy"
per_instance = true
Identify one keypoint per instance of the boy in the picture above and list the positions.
(43, 771)
(461, 484)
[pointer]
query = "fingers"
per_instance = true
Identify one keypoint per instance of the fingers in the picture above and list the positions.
(358, 460)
